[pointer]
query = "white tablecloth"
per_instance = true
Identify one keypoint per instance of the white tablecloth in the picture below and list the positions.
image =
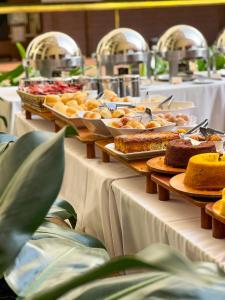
(9, 105)
(112, 205)
(208, 98)
(87, 182)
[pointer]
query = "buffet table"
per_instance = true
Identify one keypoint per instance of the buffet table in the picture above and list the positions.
(112, 205)
(208, 98)
(9, 105)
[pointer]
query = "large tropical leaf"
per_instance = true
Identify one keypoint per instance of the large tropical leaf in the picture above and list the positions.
(53, 255)
(15, 156)
(30, 180)
(63, 210)
(158, 258)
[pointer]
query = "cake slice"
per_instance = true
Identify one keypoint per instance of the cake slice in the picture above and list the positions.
(144, 141)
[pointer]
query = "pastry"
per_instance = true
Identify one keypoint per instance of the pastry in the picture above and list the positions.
(67, 97)
(206, 172)
(72, 103)
(92, 115)
(80, 97)
(92, 104)
(118, 113)
(105, 114)
(71, 112)
(51, 100)
(60, 107)
(144, 141)
(178, 152)
(135, 124)
(152, 124)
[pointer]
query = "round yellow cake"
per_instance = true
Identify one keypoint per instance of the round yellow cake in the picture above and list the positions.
(219, 206)
(206, 172)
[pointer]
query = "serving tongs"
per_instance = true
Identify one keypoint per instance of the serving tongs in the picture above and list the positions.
(209, 131)
(168, 100)
(146, 116)
(202, 124)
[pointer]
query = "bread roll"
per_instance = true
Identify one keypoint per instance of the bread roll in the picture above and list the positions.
(118, 113)
(67, 97)
(72, 103)
(71, 111)
(60, 107)
(106, 114)
(92, 115)
(51, 100)
(92, 104)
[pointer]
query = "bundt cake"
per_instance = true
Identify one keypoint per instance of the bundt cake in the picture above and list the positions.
(206, 172)
(178, 152)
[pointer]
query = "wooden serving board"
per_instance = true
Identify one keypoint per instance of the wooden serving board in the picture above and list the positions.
(158, 165)
(29, 111)
(164, 189)
(85, 136)
(139, 165)
(218, 222)
(177, 182)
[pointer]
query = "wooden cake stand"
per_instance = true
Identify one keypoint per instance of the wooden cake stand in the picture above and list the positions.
(218, 222)
(200, 198)
(165, 188)
(159, 170)
(139, 166)
(29, 111)
(85, 136)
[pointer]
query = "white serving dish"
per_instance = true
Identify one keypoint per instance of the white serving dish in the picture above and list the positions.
(203, 81)
(176, 107)
(95, 125)
(120, 131)
(134, 155)
(74, 120)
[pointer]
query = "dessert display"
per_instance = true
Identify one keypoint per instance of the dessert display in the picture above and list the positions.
(178, 152)
(143, 142)
(219, 206)
(206, 172)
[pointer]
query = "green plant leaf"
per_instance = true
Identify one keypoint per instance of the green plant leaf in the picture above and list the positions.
(70, 131)
(15, 156)
(63, 210)
(156, 258)
(21, 50)
(12, 74)
(54, 254)
(30, 187)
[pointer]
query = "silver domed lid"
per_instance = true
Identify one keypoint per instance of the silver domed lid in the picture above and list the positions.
(53, 51)
(122, 45)
(182, 42)
(220, 42)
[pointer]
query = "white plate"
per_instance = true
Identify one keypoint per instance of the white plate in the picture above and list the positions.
(120, 131)
(134, 155)
(203, 81)
(95, 125)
